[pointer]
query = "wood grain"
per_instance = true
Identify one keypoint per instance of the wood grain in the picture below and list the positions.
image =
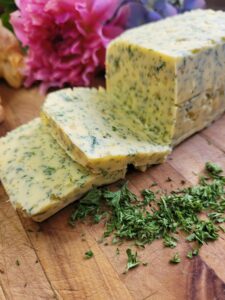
(51, 254)
(21, 274)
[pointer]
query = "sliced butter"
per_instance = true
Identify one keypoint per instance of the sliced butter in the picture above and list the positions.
(98, 134)
(37, 174)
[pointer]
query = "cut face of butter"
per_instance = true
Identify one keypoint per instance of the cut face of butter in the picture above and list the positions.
(97, 133)
(153, 70)
(37, 174)
(197, 113)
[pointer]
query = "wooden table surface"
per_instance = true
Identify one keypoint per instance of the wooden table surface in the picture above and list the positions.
(45, 261)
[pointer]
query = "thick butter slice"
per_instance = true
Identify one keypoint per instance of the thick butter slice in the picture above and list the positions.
(155, 69)
(98, 134)
(37, 174)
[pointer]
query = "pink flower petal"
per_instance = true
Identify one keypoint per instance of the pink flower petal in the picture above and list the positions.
(66, 39)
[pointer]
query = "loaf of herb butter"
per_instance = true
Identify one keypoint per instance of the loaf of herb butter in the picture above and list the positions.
(170, 74)
(98, 134)
(39, 177)
(198, 113)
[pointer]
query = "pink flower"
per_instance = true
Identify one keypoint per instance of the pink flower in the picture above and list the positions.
(66, 39)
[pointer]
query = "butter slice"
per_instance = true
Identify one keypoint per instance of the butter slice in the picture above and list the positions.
(37, 174)
(98, 134)
(156, 69)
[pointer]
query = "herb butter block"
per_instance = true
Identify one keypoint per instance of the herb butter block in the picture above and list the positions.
(37, 174)
(98, 134)
(156, 70)
(197, 113)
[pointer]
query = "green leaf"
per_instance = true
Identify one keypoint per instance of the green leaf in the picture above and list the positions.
(149, 196)
(140, 244)
(175, 259)
(113, 198)
(213, 169)
(127, 219)
(132, 260)
(216, 217)
(170, 241)
(88, 205)
(192, 253)
(5, 20)
(222, 228)
(89, 254)
(6, 7)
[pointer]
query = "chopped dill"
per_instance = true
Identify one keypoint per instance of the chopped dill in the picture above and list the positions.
(144, 220)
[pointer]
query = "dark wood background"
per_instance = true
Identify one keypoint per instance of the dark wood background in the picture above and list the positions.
(216, 4)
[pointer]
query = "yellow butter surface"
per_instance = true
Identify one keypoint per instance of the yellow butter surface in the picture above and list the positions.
(38, 176)
(156, 69)
(97, 133)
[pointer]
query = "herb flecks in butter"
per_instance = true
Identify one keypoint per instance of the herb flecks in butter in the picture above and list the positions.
(173, 64)
(37, 174)
(104, 136)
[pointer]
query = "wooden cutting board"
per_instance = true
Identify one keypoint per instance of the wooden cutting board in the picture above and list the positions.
(45, 261)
